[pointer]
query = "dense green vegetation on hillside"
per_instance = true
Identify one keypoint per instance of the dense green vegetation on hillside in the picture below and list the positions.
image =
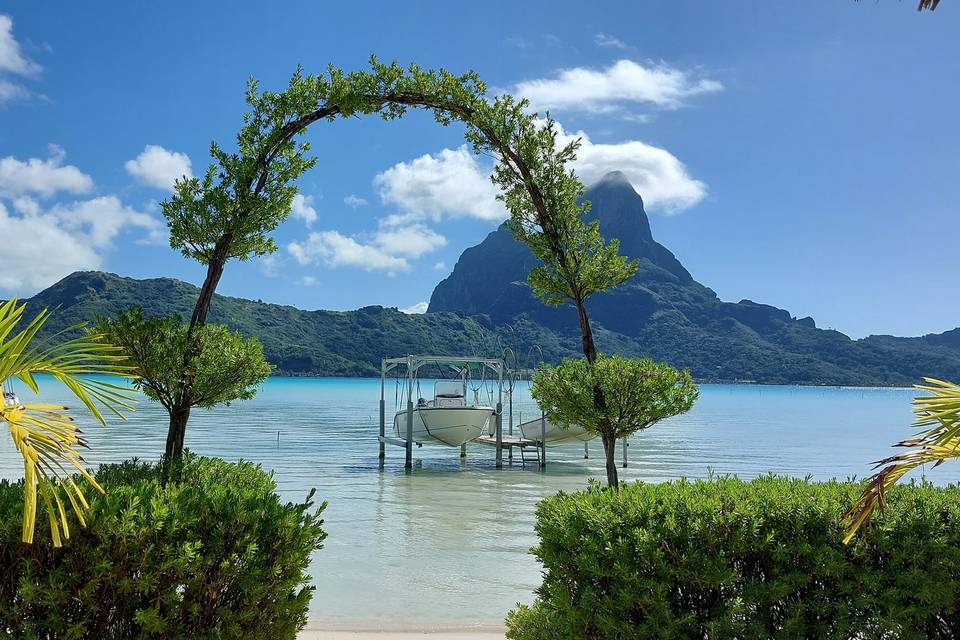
(351, 343)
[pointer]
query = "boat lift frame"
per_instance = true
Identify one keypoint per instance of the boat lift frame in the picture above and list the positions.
(413, 363)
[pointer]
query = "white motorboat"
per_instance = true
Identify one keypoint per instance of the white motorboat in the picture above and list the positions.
(447, 419)
(551, 433)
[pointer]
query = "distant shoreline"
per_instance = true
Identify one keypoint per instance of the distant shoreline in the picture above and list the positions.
(739, 383)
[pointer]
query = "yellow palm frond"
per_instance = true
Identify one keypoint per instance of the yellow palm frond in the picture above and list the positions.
(939, 413)
(45, 435)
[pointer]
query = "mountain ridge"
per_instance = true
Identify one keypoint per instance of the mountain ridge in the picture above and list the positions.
(351, 343)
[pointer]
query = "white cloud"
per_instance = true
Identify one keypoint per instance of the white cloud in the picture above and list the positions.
(440, 266)
(12, 61)
(101, 219)
(410, 241)
(10, 91)
(41, 177)
(415, 309)
(354, 201)
(334, 249)
(302, 208)
(11, 58)
(308, 281)
(603, 40)
(45, 246)
(270, 265)
(158, 167)
(609, 90)
(657, 175)
(449, 183)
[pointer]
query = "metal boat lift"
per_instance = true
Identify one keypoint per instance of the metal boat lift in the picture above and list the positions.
(412, 364)
(499, 440)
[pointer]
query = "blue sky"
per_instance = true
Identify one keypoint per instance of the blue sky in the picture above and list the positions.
(797, 154)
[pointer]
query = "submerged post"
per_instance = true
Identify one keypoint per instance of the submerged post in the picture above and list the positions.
(463, 450)
(586, 450)
(510, 424)
(499, 424)
(383, 376)
(625, 445)
(543, 440)
(499, 415)
(411, 371)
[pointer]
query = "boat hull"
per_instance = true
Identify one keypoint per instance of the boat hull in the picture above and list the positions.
(450, 426)
(554, 434)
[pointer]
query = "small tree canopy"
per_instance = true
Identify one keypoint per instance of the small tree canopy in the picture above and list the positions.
(225, 367)
(638, 393)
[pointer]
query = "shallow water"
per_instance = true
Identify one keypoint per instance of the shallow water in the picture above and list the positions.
(449, 542)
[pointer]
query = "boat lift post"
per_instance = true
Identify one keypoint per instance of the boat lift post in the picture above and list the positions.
(413, 364)
(543, 440)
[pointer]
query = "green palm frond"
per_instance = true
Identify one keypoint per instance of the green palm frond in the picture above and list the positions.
(938, 412)
(45, 435)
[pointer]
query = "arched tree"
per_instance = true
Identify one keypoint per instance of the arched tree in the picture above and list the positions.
(245, 194)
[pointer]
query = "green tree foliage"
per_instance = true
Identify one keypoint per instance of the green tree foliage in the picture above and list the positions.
(225, 367)
(216, 556)
(727, 558)
(45, 435)
(576, 261)
(637, 393)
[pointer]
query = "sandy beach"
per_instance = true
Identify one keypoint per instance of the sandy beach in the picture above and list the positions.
(320, 631)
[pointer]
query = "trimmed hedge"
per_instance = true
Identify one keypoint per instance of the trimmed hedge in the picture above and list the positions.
(726, 558)
(214, 555)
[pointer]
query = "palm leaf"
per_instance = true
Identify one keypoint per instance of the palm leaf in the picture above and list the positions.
(938, 418)
(44, 434)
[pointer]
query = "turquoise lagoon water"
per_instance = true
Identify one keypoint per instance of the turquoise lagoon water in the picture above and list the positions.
(449, 542)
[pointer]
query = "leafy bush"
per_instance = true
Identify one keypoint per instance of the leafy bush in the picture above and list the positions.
(727, 558)
(214, 555)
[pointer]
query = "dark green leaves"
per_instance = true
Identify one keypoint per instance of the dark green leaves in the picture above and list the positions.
(225, 366)
(732, 559)
(637, 393)
(215, 555)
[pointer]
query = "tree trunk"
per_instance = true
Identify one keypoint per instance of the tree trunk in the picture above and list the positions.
(586, 332)
(214, 271)
(610, 451)
(180, 413)
(176, 432)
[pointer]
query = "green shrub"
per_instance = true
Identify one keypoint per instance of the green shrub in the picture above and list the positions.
(727, 558)
(214, 555)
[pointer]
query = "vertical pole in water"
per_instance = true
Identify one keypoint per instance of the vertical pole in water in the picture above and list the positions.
(510, 426)
(499, 416)
(625, 445)
(586, 450)
(463, 450)
(411, 371)
(543, 440)
(383, 376)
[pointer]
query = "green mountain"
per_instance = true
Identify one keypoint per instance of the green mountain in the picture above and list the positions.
(485, 306)
(298, 342)
(663, 312)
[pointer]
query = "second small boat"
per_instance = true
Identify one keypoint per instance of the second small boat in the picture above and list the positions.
(551, 433)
